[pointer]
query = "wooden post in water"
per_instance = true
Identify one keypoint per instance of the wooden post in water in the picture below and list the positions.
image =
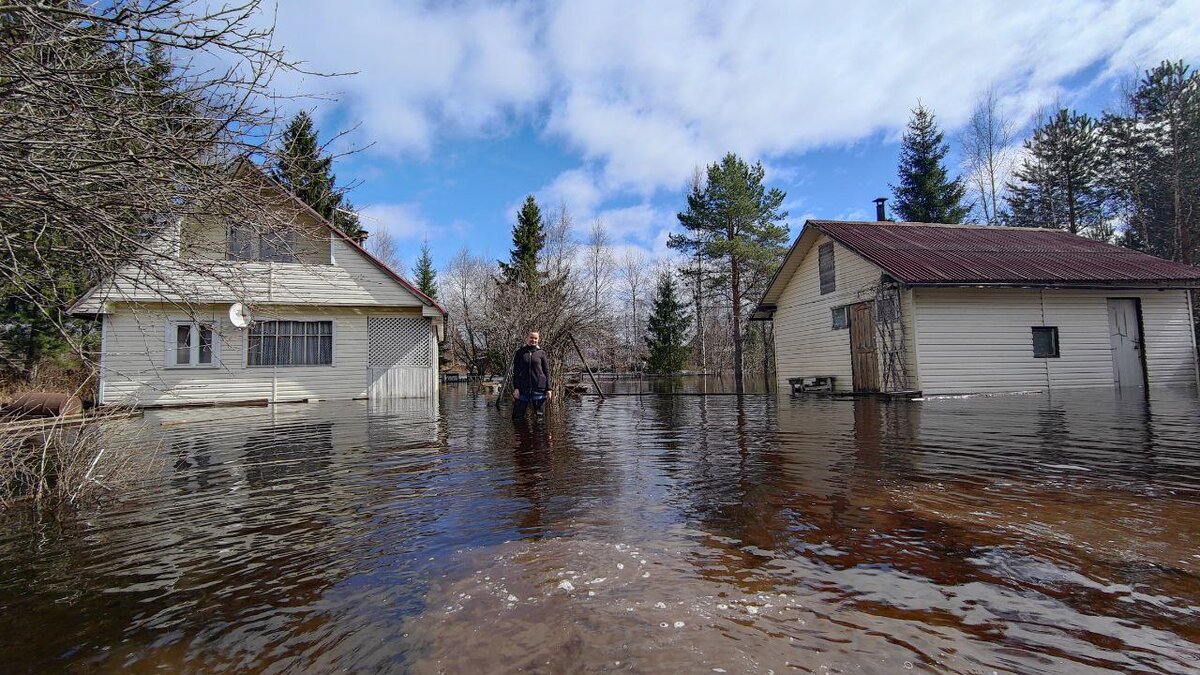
(586, 366)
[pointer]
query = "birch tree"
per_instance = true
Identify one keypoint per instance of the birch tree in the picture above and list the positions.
(988, 157)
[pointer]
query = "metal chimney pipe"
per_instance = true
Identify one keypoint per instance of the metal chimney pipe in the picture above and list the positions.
(880, 211)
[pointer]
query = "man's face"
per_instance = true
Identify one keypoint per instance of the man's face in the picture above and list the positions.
(532, 339)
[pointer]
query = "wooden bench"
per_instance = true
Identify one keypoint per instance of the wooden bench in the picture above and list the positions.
(800, 385)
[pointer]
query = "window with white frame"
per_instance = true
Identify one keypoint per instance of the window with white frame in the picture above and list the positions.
(192, 344)
(290, 343)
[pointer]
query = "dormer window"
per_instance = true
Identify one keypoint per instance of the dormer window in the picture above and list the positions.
(249, 243)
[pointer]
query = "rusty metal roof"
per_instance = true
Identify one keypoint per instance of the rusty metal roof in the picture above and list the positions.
(929, 254)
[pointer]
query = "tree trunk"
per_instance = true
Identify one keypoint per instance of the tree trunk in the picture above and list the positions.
(735, 283)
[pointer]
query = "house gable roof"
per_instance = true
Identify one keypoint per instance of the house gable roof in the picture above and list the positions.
(930, 254)
(86, 303)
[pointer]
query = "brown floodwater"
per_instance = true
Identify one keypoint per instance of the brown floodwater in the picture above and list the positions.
(654, 533)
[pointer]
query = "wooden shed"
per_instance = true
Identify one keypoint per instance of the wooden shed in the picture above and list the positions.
(947, 309)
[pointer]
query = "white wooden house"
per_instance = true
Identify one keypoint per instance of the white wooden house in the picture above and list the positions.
(947, 309)
(327, 319)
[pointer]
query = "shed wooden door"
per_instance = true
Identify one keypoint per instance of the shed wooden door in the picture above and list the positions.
(864, 359)
(1124, 332)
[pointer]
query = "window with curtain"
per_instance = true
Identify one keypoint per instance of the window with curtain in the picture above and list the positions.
(290, 343)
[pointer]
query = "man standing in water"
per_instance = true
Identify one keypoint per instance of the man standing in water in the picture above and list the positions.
(531, 376)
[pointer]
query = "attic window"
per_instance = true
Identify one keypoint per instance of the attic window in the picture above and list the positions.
(247, 243)
(1045, 342)
(828, 278)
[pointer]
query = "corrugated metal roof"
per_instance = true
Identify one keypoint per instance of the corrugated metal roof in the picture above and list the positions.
(929, 254)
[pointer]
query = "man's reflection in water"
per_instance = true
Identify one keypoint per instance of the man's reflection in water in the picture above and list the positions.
(532, 461)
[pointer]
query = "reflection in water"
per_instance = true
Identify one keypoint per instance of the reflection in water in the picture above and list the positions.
(653, 533)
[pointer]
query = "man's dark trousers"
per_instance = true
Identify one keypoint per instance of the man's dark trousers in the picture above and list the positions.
(521, 405)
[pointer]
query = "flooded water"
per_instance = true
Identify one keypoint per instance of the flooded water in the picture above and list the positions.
(651, 534)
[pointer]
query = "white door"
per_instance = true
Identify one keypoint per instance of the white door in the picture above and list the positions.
(400, 357)
(1126, 338)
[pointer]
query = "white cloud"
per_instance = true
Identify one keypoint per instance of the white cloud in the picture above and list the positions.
(643, 92)
(403, 221)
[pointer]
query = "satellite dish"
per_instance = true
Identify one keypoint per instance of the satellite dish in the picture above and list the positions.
(239, 315)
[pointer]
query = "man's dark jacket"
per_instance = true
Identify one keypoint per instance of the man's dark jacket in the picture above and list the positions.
(531, 370)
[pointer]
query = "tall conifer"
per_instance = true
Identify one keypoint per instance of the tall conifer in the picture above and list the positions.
(736, 223)
(305, 171)
(423, 272)
(529, 238)
(926, 194)
(1058, 183)
(667, 331)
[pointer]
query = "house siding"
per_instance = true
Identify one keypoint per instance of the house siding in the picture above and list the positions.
(805, 342)
(980, 340)
(134, 372)
(353, 280)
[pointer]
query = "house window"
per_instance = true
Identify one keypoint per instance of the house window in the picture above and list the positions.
(191, 345)
(290, 343)
(1045, 342)
(828, 278)
(247, 243)
(841, 317)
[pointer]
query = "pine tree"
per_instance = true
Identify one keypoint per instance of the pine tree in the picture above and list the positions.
(1152, 162)
(735, 222)
(424, 273)
(306, 172)
(529, 238)
(1058, 183)
(668, 327)
(925, 193)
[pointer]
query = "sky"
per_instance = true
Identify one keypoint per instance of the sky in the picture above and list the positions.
(460, 109)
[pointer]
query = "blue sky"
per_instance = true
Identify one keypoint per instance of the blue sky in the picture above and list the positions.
(607, 106)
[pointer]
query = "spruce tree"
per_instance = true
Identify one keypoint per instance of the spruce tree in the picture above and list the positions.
(423, 272)
(529, 238)
(926, 194)
(667, 336)
(304, 170)
(735, 223)
(1058, 183)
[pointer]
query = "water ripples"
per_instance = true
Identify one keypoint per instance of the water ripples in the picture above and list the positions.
(654, 533)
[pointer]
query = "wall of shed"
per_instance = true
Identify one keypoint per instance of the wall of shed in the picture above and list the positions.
(805, 342)
(980, 340)
(134, 371)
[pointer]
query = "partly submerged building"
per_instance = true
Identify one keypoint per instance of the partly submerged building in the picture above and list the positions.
(230, 313)
(943, 309)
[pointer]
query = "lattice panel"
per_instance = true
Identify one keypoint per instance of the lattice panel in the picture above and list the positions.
(398, 341)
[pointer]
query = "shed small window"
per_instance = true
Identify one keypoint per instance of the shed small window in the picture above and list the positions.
(841, 317)
(1045, 342)
(828, 277)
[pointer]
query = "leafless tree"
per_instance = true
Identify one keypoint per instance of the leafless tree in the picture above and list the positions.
(635, 274)
(119, 122)
(383, 245)
(598, 252)
(468, 289)
(986, 146)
